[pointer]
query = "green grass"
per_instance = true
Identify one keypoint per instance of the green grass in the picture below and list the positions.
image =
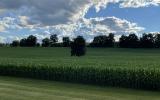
(129, 68)
(27, 89)
(96, 57)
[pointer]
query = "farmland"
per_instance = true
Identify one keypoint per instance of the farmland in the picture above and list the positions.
(28, 89)
(129, 68)
(96, 57)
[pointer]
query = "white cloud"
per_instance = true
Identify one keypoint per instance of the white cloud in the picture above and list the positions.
(95, 26)
(100, 4)
(139, 3)
(85, 27)
(23, 20)
(2, 39)
(54, 12)
(114, 25)
(66, 17)
(47, 12)
(8, 23)
(2, 28)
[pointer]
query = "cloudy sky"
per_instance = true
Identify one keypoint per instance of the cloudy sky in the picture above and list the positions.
(20, 18)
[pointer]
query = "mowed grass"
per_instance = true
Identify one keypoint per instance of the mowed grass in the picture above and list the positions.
(28, 89)
(96, 57)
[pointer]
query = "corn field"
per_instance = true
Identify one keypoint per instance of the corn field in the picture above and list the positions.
(119, 77)
(129, 68)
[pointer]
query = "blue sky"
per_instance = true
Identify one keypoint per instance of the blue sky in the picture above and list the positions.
(21, 18)
(148, 17)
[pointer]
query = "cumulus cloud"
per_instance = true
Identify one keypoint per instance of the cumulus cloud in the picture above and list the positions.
(114, 25)
(8, 23)
(126, 3)
(66, 17)
(95, 26)
(2, 28)
(54, 12)
(2, 39)
(101, 4)
(139, 3)
(47, 12)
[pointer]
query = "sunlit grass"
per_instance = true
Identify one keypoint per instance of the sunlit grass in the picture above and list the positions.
(27, 89)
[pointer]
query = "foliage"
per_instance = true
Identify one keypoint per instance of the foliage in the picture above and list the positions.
(66, 41)
(30, 41)
(110, 40)
(103, 41)
(46, 42)
(99, 41)
(147, 41)
(119, 77)
(15, 43)
(78, 46)
(130, 41)
(38, 45)
(53, 40)
(123, 41)
(23, 42)
(131, 68)
(133, 41)
(157, 41)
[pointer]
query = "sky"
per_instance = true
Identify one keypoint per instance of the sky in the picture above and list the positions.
(89, 18)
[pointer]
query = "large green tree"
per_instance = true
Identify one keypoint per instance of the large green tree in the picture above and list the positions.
(103, 41)
(133, 41)
(23, 42)
(78, 46)
(157, 41)
(15, 43)
(46, 42)
(31, 41)
(147, 41)
(53, 40)
(66, 41)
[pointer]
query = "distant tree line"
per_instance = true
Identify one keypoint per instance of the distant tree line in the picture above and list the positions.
(103, 41)
(31, 41)
(130, 41)
(145, 41)
(125, 41)
(78, 45)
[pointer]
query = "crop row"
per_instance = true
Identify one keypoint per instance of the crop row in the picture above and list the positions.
(138, 78)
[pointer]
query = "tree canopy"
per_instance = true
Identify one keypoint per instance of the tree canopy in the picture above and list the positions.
(78, 46)
(125, 41)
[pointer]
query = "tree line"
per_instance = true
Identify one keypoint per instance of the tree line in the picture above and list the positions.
(31, 41)
(145, 41)
(125, 41)
(78, 45)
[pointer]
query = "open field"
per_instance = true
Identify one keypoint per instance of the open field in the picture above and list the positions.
(27, 89)
(129, 68)
(96, 57)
